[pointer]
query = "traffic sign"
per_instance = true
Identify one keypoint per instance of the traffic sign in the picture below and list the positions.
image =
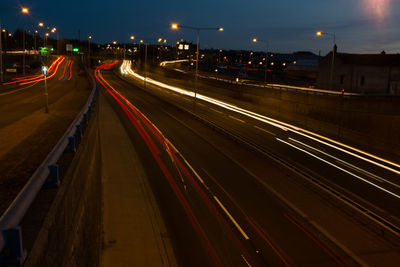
(45, 70)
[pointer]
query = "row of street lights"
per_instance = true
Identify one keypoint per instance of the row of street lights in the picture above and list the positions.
(23, 10)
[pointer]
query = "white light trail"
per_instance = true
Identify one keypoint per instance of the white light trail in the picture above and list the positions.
(373, 159)
(340, 168)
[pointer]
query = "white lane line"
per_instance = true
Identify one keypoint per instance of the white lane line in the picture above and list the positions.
(351, 153)
(232, 117)
(232, 219)
(262, 129)
(344, 170)
(367, 173)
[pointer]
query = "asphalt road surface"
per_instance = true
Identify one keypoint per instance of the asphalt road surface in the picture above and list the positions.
(27, 133)
(226, 204)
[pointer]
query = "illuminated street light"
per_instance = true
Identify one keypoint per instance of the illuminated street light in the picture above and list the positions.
(256, 40)
(41, 24)
(115, 42)
(4, 30)
(141, 41)
(23, 10)
(89, 38)
(9, 34)
(175, 26)
(132, 37)
(320, 34)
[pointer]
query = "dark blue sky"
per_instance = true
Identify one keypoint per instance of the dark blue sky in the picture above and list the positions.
(289, 25)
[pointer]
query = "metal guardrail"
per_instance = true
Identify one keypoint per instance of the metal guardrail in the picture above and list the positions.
(283, 87)
(11, 249)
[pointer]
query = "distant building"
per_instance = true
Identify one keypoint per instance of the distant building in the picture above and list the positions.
(361, 73)
(304, 66)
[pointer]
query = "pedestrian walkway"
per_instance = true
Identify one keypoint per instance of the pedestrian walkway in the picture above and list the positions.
(134, 231)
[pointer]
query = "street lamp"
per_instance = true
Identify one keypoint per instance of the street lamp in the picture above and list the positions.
(175, 26)
(89, 38)
(256, 40)
(23, 10)
(320, 34)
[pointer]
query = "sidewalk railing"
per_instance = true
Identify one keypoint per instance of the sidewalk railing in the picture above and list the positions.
(11, 249)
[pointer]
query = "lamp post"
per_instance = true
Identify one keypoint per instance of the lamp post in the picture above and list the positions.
(54, 30)
(175, 26)
(133, 44)
(47, 35)
(320, 33)
(89, 38)
(41, 25)
(115, 43)
(23, 10)
(256, 40)
(34, 36)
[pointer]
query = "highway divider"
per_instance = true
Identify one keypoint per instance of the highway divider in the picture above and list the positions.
(47, 174)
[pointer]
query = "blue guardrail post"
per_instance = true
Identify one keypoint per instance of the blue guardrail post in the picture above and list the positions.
(13, 253)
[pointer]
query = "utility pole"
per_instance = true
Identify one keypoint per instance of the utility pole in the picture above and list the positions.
(145, 65)
(1, 55)
(23, 50)
(46, 95)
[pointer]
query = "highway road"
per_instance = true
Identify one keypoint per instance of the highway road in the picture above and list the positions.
(27, 133)
(366, 176)
(248, 191)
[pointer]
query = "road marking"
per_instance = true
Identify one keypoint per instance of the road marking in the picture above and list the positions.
(14, 91)
(248, 264)
(340, 168)
(232, 219)
(232, 117)
(339, 244)
(282, 125)
(262, 129)
(367, 173)
(216, 110)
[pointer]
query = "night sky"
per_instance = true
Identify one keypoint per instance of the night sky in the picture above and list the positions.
(363, 26)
